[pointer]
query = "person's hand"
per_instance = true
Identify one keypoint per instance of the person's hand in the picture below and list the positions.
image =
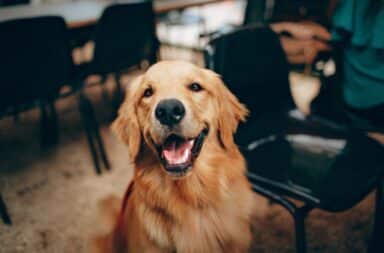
(306, 40)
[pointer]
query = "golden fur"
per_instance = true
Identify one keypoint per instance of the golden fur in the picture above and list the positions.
(209, 209)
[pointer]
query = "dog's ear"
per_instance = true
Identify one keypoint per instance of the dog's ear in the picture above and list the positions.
(126, 125)
(230, 112)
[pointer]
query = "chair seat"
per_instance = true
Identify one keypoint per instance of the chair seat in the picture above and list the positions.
(325, 166)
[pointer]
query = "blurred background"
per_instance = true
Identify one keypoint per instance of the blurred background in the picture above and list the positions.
(64, 66)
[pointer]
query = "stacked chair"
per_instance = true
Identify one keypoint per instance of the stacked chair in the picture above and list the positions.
(124, 38)
(321, 163)
(36, 64)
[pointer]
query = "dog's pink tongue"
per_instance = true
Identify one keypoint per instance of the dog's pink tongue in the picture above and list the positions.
(178, 153)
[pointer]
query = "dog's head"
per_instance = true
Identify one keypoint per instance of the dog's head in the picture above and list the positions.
(173, 109)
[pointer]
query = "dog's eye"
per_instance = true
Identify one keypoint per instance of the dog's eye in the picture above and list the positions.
(195, 87)
(148, 92)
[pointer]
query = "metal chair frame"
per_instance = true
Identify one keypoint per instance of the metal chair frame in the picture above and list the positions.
(46, 101)
(131, 53)
(300, 213)
(280, 193)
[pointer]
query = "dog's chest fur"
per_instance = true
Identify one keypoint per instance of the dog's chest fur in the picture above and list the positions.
(193, 217)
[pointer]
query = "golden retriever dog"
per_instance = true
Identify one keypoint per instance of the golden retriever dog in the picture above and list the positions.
(189, 191)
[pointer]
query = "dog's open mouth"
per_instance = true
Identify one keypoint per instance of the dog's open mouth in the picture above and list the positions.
(178, 153)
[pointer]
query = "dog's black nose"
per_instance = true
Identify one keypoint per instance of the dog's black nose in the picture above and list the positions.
(170, 112)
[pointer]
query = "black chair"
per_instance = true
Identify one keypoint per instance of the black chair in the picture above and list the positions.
(35, 64)
(13, 2)
(289, 155)
(256, 11)
(124, 37)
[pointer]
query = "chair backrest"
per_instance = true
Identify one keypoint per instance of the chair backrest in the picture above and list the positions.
(297, 10)
(125, 35)
(35, 59)
(255, 12)
(253, 65)
(270, 11)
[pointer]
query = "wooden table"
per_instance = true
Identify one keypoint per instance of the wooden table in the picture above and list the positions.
(83, 13)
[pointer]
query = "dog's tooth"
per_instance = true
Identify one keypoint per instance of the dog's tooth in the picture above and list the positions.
(186, 155)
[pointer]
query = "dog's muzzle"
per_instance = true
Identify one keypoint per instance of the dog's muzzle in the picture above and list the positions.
(177, 153)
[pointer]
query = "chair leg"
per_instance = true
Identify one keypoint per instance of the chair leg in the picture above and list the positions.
(301, 239)
(48, 124)
(44, 126)
(298, 213)
(96, 132)
(54, 123)
(4, 213)
(377, 244)
(85, 111)
(103, 154)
